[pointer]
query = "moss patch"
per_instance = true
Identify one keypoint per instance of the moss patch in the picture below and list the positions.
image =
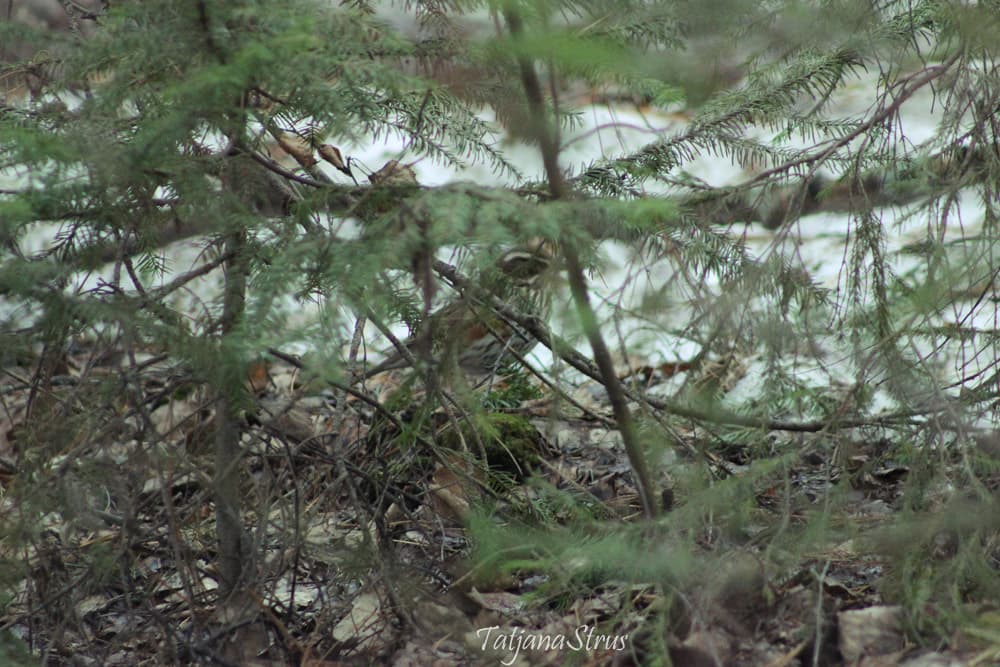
(512, 444)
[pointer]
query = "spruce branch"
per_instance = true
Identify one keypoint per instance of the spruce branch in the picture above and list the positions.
(546, 136)
(562, 349)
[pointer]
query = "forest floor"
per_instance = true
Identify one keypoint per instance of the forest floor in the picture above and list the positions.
(373, 549)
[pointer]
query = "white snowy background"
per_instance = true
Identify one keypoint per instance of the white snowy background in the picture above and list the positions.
(817, 243)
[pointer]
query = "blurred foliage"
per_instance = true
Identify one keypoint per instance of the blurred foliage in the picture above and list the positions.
(156, 121)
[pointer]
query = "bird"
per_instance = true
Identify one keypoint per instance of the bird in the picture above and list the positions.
(468, 333)
(394, 172)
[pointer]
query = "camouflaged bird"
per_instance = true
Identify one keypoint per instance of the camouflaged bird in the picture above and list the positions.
(470, 334)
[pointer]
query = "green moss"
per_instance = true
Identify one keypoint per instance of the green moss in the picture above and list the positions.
(511, 443)
(517, 388)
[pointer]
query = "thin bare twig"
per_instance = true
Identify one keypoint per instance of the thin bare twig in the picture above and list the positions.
(547, 136)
